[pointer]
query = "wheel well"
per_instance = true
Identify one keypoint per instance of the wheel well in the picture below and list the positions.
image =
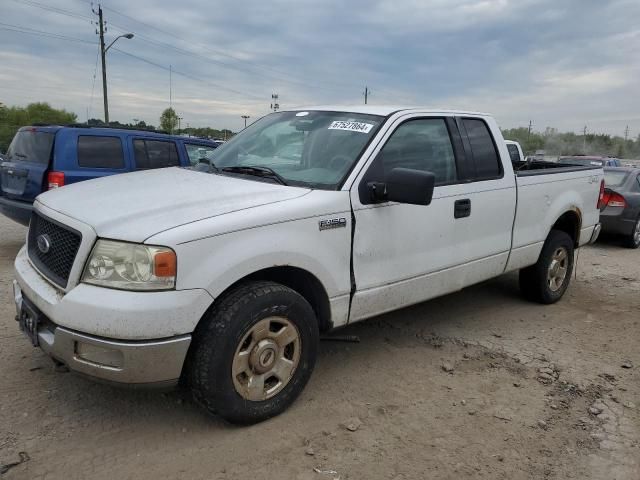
(303, 282)
(569, 222)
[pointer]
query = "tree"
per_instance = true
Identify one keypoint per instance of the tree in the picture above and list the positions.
(168, 120)
(12, 118)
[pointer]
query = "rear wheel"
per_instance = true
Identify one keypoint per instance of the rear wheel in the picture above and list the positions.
(254, 353)
(547, 280)
(633, 240)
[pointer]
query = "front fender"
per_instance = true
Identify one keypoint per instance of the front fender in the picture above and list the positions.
(217, 262)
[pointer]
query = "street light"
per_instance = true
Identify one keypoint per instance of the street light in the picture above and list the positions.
(245, 119)
(103, 52)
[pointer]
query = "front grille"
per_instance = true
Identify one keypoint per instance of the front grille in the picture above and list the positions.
(57, 250)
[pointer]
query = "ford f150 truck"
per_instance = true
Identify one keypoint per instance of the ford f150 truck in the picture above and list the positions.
(225, 274)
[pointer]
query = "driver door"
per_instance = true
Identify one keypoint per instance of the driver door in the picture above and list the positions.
(405, 254)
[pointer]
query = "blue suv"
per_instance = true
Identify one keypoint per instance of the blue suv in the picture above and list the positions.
(45, 157)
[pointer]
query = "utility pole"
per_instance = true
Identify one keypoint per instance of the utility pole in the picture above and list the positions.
(104, 66)
(626, 134)
(170, 88)
(245, 119)
(274, 102)
(366, 94)
(103, 53)
(179, 118)
(530, 127)
(584, 140)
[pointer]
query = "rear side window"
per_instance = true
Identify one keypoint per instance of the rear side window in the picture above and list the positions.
(513, 153)
(100, 152)
(155, 154)
(614, 178)
(483, 149)
(30, 146)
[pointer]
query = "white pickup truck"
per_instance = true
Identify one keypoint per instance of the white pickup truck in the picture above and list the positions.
(226, 274)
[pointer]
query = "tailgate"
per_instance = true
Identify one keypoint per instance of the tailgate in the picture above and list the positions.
(26, 163)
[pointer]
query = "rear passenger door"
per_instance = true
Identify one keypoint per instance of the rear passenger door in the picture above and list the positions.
(151, 153)
(96, 156)
(491, 192)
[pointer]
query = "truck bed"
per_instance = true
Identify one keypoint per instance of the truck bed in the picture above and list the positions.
(540, 167)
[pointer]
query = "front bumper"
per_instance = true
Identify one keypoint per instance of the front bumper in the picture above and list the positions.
(151, 362)
(16, 210)
(112, 335)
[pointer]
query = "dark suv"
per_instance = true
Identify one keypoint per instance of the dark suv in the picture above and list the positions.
(44, 157)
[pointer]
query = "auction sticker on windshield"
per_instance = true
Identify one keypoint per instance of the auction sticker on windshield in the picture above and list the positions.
(351, 126)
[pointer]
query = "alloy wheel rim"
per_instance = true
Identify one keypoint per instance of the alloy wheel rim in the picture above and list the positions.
(266, 359)
(636, 233)
(558, 268)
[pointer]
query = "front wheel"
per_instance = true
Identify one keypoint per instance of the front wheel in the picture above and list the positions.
(254, 353)
(547, 280)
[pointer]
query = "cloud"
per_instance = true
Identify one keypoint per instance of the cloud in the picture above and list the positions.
(561, 64)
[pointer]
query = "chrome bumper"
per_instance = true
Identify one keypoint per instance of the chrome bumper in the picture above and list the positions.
(596, 233)
(141, 362)
(115, 361)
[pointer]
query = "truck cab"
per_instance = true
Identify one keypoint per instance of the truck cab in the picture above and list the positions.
(306, 221)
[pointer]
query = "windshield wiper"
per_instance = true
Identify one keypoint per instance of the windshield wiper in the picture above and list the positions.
(264, 172)
(19, 155)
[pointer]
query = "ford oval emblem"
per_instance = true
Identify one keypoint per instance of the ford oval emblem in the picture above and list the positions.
(44, 243)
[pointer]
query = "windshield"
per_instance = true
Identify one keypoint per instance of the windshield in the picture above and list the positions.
(614, 178)
(31, 146)
(309, 148)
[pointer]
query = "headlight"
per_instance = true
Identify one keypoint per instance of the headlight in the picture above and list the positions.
(130, 266)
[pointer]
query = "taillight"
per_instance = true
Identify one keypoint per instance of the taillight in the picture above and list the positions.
(616, 200)
(601, 200)
(55, 180)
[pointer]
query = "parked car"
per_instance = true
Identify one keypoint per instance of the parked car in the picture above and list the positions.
(597, 161)
(515, 152)
(227, 278)
(621, 211)
(44, 157)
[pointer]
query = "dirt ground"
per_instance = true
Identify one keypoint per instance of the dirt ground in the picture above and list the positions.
(478, 384)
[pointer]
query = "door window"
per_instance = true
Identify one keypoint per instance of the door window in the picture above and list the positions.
(422, 144)
(100, 152)
(155, 154)
(513, 153)
(197, 152)
(483, 149)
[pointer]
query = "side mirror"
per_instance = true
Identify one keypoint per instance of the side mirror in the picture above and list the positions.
(404, 185)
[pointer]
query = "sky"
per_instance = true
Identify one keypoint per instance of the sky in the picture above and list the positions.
(565, 64)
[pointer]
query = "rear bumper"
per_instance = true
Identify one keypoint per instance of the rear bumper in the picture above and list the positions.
(617, 224)
(16, 210)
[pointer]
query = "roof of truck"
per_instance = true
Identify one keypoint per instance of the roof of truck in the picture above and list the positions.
(383, 109)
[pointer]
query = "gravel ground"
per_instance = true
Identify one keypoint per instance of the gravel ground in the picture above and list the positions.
(478, 384)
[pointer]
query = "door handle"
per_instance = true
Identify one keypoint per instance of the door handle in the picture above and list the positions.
(462, 208)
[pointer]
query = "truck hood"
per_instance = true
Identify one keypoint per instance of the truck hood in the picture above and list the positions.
(135, 206)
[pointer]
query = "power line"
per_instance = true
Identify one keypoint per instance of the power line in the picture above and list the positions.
(41, 33)
(186, 75)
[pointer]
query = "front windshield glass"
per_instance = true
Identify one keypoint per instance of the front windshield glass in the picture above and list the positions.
(310, 148)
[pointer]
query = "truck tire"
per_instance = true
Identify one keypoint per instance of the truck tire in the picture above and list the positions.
(633, 240)
(253, 352)
(547, 280)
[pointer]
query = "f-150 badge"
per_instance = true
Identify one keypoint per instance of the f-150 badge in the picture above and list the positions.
(332, 223)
